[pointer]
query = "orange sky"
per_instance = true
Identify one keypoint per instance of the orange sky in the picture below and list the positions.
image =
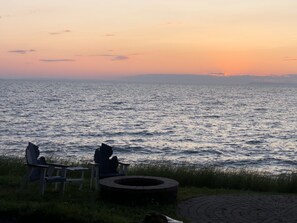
(110, 38)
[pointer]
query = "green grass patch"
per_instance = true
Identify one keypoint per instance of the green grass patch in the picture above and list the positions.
(85, 205)
(216, 178)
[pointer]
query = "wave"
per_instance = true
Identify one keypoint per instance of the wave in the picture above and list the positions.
(234, 126)
(254, 142)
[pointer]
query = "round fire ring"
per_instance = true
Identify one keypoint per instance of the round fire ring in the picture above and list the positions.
(138, 189)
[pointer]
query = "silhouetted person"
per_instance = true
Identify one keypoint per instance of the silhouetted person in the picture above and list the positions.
(102, 156)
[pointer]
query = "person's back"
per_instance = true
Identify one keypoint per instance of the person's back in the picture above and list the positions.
(107, 165)
(32, 157)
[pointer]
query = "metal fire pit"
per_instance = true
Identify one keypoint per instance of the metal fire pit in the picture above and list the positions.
(139, 189)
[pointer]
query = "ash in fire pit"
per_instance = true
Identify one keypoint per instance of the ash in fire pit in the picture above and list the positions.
(138, 189)
(139, 181)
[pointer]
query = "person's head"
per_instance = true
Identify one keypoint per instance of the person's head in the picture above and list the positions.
(106, 150)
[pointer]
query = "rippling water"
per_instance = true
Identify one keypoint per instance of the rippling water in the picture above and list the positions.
(227, 126)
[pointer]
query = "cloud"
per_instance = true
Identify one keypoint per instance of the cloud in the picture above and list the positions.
(109, 35)
(60, 32)
(290, 59)
(115, 57)
(4, 16)
(22, 51)
(56, 60)
(120, 57)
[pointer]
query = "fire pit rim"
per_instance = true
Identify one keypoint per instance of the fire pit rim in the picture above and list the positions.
(111, 182)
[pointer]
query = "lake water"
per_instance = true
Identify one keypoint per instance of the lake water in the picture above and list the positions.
(249, 126)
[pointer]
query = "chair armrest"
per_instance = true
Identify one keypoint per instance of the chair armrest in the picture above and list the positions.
(124, 164)
(37, 165)
(95, 164)
(123, 168)
(57, 165)
(77, 168)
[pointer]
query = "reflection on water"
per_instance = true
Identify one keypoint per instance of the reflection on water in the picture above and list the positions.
(226, 126)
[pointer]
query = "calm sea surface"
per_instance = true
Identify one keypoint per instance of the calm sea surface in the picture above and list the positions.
(248, 126)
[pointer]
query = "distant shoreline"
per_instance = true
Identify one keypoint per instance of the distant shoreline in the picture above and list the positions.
(211, 79)
(214, 79)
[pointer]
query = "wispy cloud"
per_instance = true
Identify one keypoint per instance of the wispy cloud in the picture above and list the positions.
(21, 51)
(290, 59)
(120, 57)
(115, 57)
(3, 16)
(109, 35)
(60, 32)
(56, 60)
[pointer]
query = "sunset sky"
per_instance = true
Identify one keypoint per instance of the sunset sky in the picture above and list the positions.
(110, 38)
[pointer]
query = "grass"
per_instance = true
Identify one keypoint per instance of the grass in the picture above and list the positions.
(215, 178)
(85, 206)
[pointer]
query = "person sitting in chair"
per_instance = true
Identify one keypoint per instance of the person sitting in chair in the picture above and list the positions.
(107, 165)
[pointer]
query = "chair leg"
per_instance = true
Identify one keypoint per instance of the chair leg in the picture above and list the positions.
(92, 177)
(96, 177)
(62, 189)
(42, 181)
(26, 178)
(63, 174)
(82, 180)
(56, 184)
